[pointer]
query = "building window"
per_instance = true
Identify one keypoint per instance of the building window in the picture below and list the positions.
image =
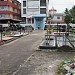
(43, 11)
(24, 11)
(1, 0)
(24, 3)
(58, 17)
(24, 19)
(42, 2)
(2, 15)
(2, 7)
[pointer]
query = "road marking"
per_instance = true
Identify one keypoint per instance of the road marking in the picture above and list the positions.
(34, 34)
(8, 55)
(0, 62)
(23, 64)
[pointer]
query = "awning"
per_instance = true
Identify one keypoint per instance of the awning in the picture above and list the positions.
(39, 15)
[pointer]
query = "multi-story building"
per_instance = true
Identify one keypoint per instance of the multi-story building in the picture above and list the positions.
(33, 10)
(57, 18)
(54, 18)
(10, 11)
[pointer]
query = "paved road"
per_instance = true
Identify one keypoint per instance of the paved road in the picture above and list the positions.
(13, 55)
(21, 58)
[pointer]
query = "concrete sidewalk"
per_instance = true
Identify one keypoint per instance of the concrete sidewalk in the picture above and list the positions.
(9, 38)
(4, 38)
(19, 34)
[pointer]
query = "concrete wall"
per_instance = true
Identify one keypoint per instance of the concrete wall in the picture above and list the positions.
(56, 18)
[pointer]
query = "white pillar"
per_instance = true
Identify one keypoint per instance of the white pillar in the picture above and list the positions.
(31, 20)
(26, 21)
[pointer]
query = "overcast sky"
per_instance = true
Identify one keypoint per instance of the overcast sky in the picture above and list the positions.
(60, 5)
(19, 0)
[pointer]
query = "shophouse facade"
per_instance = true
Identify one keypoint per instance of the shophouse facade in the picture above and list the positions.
(10, 11)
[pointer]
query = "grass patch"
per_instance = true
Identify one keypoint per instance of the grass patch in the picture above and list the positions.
(60, 69)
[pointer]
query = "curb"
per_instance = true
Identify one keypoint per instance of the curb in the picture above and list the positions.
(10, 40)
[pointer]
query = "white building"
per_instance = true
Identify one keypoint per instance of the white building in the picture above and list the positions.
(32, 7)
(58, 18)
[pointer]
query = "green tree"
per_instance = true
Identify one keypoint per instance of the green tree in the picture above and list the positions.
(68, 17)
(72, 12)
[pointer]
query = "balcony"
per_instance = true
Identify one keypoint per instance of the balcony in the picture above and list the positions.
(6, 3)
(8, 12)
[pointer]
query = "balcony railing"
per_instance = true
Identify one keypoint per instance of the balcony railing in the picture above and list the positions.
(5, 3)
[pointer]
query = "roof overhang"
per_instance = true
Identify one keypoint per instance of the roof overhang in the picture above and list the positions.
(39, 15)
